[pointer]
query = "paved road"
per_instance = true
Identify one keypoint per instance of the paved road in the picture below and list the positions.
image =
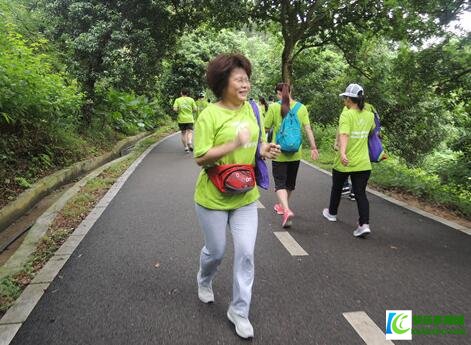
(110, 292)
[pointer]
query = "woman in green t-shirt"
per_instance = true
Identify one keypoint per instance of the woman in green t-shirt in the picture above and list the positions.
(285, 166)
(262, 106)
(227, 132)
(352, 159)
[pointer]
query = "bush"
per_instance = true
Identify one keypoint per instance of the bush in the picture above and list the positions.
(39, 108)
(128, 113)
(325, 138)
(392, 174)
(32, 96)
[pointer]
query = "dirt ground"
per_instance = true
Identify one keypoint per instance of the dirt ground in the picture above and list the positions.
(428, 207)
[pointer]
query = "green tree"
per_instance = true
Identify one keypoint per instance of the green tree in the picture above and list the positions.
(186, 67)
(119, 43)
(306, 24)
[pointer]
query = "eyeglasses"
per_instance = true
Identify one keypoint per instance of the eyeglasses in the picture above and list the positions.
(242, 80)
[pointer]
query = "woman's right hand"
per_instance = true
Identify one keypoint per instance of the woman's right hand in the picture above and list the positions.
(344, 159)
(243, 136)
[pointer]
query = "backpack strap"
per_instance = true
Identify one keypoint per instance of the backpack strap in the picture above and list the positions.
(296, 108)
(257, 116)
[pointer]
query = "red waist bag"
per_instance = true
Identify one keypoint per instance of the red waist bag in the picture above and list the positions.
(232, 178)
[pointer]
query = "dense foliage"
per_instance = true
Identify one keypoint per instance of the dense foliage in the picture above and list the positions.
(39, 108)
(186, 68)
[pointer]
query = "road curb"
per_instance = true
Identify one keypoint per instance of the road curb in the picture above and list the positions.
(41, 225)
(15, 316)
(403, 204)
(44, 186)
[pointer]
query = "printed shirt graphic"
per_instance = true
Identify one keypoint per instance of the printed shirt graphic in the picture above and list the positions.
(186, 106)
(357, 124)
(216, 126)
(273, 119)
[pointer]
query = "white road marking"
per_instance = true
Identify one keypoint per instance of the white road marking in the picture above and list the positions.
(259, 204)
(290, 243)
(366, 328)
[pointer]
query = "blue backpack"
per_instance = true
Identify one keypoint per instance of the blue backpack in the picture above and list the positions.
(289, 136)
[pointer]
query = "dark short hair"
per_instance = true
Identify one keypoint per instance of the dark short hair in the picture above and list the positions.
(220, 68)
(185, 91)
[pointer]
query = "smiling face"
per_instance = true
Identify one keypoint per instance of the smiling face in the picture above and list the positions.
(238, 87)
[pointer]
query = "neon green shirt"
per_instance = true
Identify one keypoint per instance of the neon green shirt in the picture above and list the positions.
(185, 106)
(358, 125)
(216, 126)
(201, 103)
(273, 119)
(261, 109)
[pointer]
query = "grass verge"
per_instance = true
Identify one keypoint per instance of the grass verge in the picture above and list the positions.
(76, 209)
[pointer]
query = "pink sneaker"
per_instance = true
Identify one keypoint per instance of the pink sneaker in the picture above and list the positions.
(286, 219)
(278, 209)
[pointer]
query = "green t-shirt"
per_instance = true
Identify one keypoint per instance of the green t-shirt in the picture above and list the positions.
(358, 125)
(273, 119)
(185, 107)
(261, 109)
(201, 104)
(216, 126)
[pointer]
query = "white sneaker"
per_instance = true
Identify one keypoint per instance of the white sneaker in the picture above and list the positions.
(362, 231)
(205, 294)
(242, 325)
(328, 216)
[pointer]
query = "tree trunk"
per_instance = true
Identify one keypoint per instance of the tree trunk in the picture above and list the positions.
(287, 62)
(88, 105)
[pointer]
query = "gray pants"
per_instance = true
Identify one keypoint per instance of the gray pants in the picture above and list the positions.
(243, 224)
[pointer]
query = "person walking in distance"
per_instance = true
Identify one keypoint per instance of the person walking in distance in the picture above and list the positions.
(285, 166)
(226, 135)
(262, 105)
(201, 103)
(352, 158)
(185, 106)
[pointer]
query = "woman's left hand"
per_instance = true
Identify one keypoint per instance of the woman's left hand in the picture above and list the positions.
(269, 150)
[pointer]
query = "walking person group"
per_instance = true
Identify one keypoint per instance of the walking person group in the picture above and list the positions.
(228, 134)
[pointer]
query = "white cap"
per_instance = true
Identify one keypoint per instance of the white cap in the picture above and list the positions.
(352, 90)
